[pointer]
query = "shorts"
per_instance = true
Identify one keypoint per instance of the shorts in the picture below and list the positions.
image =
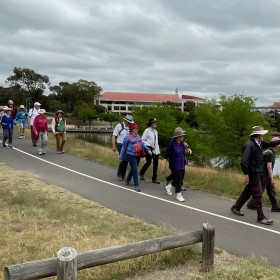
(22, 125)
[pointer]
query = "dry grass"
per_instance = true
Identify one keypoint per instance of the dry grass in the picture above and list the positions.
(38, 219)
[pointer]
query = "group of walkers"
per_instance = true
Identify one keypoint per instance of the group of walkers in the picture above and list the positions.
(36, 120)
(257, 163)
(132, 147)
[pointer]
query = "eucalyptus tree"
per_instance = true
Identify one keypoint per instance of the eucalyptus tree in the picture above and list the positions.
(30, 81)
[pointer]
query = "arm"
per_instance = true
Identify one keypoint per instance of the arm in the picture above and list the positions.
(34, 125)
(145, 137)
(245, 163)
(270, 171)
(53, 126)
(114, 140)
(124, 147)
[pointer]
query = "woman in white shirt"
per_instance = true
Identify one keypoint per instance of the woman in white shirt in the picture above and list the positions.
(150, 138)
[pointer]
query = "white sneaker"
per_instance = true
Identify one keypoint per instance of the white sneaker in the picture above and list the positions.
(40, 153)
(168, 188)
(179, 197)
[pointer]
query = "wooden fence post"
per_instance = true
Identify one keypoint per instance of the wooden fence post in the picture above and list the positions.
(208, 240)
(67, 264)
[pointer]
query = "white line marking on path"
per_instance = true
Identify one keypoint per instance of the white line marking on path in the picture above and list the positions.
(148, 195)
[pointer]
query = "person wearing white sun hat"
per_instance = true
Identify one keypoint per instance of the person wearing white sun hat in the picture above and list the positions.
(252, 167)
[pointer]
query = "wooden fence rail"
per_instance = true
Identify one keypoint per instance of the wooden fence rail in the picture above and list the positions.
(59, 266)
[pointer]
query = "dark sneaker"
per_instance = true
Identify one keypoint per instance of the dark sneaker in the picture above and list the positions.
(251, 206)
(142, 177)
(127, 183)
(236, 212)
(156, 182)
(265, 221)
(4, 144)
(183, 188)
(275, 209)
(120, 178)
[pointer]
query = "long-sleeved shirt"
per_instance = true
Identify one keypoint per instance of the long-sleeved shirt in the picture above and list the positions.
(7, 121)
(150, 138)
(175, 154)
(252, 158)
(40, 123)
(132, 145)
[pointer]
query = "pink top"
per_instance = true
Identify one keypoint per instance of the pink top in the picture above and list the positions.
(40, 123)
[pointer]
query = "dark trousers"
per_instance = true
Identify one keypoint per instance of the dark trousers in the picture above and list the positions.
(147, 164)
(177, 179)
(8, 134)
(270, 189)
(123, 164)
(254, 189)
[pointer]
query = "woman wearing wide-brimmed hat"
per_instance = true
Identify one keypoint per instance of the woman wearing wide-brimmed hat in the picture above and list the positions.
(7, 122)
(175, 155)
(22, 120)
(150, 138)
(59, 131)
(40, 126)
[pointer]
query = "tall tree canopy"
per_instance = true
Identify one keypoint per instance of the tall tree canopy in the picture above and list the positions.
(225, 126)
(29, 80)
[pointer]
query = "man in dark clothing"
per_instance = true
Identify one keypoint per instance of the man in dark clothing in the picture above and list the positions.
(252, 167)
(267, 178)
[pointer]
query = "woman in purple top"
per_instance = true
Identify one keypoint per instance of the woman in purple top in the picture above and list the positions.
(131, 150)
(175, 155)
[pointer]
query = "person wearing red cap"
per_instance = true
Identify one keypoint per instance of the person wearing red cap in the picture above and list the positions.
(267, 179)
(131, 150)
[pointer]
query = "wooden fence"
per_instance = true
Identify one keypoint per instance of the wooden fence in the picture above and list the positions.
(68, 262)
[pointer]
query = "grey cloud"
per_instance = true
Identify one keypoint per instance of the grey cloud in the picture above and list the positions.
(205, 47)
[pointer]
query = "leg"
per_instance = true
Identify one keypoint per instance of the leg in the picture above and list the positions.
(63, 141)
(270, 189)
(177, 182)
(10, 142)
(39, 143)
(44, 141)
(33, 136)
(145, 166)
(57, 140)
(155, 167)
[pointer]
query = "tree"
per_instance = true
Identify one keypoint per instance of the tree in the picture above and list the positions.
(71, 94)
(111, 117)
(87, 113)
(226, 127)
(168, 119)
(29, 80)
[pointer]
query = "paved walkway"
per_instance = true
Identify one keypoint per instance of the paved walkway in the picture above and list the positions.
(238, 235)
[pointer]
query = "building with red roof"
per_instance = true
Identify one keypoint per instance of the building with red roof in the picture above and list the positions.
(122, 102)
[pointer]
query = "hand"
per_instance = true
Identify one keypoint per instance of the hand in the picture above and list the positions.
(189, 151)
(35, 132)
(114, 149)
(246, 179)
(150, 152)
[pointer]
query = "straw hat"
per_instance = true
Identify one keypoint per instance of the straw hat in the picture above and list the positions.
(258, 130)
(178, 132)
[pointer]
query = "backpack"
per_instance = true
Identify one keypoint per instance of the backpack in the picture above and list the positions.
(119, 133)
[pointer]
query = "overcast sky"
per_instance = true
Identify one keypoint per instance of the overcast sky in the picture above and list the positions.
(203, 48)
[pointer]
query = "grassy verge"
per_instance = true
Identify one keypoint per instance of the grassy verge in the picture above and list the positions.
(38, 219)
